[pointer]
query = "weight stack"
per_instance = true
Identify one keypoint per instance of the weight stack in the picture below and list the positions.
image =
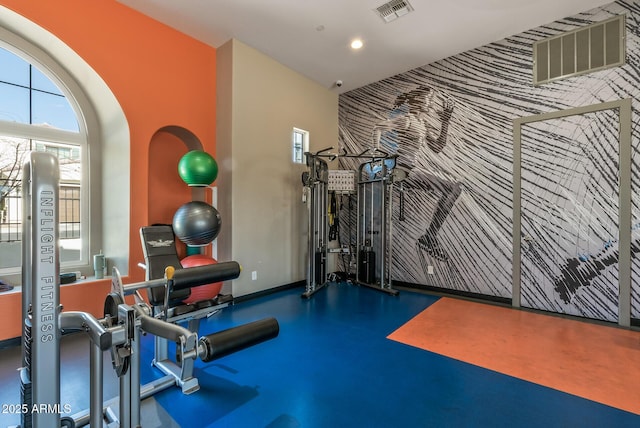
(367, 266)
(321, 268)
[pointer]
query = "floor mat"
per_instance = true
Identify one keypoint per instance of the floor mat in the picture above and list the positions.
(595, 362)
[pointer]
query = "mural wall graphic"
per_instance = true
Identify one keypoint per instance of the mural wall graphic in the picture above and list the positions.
(451, 123)
(570, 205)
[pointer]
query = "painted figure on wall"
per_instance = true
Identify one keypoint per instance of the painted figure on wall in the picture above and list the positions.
(418, 126)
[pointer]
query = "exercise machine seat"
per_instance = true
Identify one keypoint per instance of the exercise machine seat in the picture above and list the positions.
(158, 246)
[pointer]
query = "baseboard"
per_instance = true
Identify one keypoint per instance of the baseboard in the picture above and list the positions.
(449, 292)
(262, 293)
(10, 343)
(635, 322)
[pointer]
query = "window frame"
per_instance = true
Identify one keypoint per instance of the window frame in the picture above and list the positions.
(86, 116)
(298, 153)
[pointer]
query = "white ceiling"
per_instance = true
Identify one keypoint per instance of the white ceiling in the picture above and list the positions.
(313, 36)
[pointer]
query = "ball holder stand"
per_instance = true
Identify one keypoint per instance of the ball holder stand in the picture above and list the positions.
(120, 329)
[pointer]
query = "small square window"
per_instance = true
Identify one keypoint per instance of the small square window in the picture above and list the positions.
(300, 139)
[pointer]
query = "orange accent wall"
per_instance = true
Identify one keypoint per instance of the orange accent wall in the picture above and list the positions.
(161, 77)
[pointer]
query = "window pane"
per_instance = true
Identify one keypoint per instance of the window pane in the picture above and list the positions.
(69, 214)
(300, 140)
(12, 152)
(43, 83)
(28, 96)
(13, 69)
(14, 103)
(54, 111)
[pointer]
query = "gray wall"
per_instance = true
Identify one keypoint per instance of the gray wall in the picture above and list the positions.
(259, 103)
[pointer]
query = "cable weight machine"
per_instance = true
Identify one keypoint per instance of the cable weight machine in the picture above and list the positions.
(375, 223)
(315, 182)
(373, 186)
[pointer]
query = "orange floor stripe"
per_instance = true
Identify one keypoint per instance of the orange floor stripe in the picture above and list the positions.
(592, 361)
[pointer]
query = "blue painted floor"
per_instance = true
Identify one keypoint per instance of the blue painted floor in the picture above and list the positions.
(332, 366)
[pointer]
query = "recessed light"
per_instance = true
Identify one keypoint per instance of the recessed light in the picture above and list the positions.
(356, 44)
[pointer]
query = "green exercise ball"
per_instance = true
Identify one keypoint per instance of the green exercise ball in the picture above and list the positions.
(198, 168)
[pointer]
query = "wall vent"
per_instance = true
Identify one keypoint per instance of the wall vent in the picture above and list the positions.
(587, 49)
(393, 10)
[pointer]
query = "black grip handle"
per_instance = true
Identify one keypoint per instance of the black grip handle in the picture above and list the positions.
(235, 339)
(201, 275)
(161, 328)
(401, 204)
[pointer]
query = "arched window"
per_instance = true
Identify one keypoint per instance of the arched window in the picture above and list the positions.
(72, 112)
(36, 114)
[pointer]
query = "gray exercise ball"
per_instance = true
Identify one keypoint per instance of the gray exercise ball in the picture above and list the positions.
(196, 223)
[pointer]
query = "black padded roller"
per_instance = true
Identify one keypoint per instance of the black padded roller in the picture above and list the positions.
(200, 275)
(235, 339)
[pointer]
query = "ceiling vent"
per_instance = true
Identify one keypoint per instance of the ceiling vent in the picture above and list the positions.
(393, 10)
